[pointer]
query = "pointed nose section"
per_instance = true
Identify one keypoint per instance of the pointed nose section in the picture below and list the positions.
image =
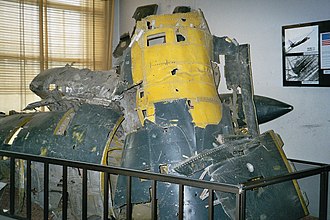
(269, 109)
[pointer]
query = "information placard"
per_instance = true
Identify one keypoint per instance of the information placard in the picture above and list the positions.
(306, 54)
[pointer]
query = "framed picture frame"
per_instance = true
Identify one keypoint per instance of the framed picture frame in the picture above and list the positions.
(306, 54)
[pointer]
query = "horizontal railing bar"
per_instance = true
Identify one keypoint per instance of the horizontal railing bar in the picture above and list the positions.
(237, 189)
(126, 172)
(285, 177)
(307, 162)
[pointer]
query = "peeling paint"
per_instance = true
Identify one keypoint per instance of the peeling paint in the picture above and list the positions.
(165, 84)
(43, 151)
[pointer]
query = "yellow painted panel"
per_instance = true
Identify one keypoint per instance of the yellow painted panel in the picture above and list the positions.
(173, 59)
(137, 58)
(178, 90)
(169, 54)
(185, 73)
(205, 113)
(192, 19)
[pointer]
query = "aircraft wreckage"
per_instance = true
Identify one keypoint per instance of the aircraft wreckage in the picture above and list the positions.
(159, 110)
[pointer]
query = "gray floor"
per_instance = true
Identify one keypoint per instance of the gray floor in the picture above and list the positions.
(5, 218)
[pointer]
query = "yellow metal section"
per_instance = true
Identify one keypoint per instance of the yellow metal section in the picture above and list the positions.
(172, 58)
(107, 150)
(193, 19)
(64, 122)
(13, 134)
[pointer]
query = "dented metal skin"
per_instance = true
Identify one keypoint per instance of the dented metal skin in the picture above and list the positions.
(165, 86)
(178, 105)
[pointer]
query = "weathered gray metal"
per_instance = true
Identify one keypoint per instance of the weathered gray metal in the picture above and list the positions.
(86, 115)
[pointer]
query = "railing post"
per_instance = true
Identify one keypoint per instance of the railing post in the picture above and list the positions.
(154, 200)
(46, 190)
(240, 191)
(211, 199)
(65, 193)
(28, 190)
(324, 181)
(106, 196)
(241, 204)
(12, 186)
(181, 201)
(128, 198)
(84, 195)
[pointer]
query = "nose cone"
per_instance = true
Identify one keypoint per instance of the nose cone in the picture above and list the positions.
(269, 109)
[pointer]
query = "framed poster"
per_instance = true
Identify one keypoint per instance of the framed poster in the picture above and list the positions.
(306, 54)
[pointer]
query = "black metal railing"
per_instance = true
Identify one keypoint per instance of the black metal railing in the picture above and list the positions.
(322, 170)
(240, 190)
